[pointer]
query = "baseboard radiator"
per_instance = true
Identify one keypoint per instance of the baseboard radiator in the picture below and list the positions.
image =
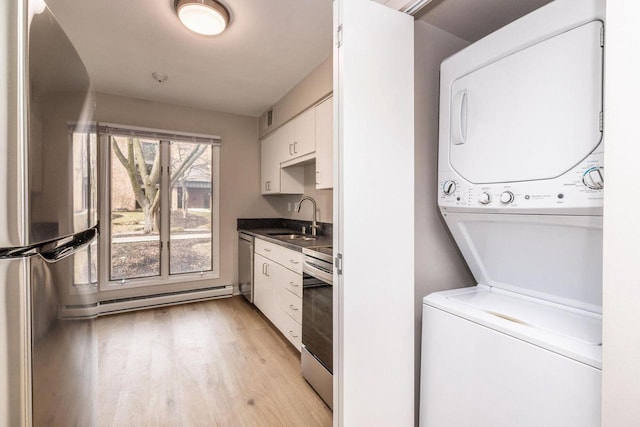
(162, 300)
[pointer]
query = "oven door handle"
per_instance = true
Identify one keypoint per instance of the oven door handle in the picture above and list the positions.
(318, 274)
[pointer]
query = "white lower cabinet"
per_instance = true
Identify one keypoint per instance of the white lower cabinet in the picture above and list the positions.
(262, 286)
(292, 330)
(278, 289)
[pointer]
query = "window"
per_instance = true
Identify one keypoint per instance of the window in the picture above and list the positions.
(163, 207)
(191, 212)
(135, 208)
(84, 190)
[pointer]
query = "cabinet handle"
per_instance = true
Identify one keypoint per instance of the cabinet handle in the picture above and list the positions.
(292, 334)
(317, 177)
(293, 307)
(295, 147)
(267, 250)
(267, 270)
(290, 148)
(268, 185)
(293, 285)
(292, 261)
(264, 268)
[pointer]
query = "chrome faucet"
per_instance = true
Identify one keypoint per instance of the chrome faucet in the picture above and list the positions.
(314, 224)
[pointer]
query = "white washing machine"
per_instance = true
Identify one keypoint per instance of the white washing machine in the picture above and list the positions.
(521, 188)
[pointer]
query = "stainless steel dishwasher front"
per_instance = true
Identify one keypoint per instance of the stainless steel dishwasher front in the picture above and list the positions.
(245, 265)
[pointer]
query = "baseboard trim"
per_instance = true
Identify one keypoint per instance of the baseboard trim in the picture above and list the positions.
(163, 300)
(124, 305)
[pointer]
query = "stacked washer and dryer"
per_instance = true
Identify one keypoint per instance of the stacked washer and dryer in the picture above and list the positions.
(521, 189)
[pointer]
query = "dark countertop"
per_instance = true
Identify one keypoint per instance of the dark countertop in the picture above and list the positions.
(265, 228)
(296, 245)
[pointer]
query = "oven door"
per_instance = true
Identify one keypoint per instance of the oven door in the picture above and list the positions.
(317, 319)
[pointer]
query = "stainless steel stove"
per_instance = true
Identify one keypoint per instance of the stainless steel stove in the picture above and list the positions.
(317, 321)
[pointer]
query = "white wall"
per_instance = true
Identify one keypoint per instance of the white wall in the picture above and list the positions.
(439, 265)
(312, 88)
(621, 292)
(239, 168)
(306, 93)
(323, 198)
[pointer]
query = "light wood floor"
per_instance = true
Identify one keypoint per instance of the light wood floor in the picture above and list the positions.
(214, 363)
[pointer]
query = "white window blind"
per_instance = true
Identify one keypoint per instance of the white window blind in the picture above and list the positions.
(166, 135)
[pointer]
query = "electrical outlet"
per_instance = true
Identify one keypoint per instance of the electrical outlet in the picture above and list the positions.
(289, 207)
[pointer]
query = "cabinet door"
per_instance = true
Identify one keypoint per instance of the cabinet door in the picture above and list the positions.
(269, 165)
(287, 136)
(375, 97)
(274, 179)
(262, 289)
(304, 138)
(324, 144)
(287, 306)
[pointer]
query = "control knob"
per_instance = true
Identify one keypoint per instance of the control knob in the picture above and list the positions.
(593, 178)
(484, 198)
(506, 197)
(449, 187)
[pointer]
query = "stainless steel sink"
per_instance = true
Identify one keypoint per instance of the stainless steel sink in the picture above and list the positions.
(293, 237)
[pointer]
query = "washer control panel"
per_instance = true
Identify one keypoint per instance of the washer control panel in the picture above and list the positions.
(506, 197)
(594, 178)
(581, 187)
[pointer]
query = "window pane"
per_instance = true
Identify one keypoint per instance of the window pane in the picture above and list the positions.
(190, 221)
(85, 266)
(80, 197)
(135, 208)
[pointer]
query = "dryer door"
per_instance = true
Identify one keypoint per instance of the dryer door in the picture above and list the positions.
(530, 115)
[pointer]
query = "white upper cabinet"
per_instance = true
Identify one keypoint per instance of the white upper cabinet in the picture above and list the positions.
(304, 138)
(269, 166)
(324, 144)
(274, 179)
(294, 144)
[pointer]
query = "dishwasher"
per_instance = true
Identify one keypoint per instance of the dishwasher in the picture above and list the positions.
(245, 265)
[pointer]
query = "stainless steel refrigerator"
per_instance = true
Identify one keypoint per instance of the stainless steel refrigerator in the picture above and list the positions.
(48, 224)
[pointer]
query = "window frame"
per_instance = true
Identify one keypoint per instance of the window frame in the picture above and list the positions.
(165, 138)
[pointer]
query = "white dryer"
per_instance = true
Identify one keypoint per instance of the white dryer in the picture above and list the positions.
(521, 188)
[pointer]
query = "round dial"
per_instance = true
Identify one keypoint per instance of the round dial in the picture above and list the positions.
(484, 198)
(506, 197)
(593, 178)
(449, 187)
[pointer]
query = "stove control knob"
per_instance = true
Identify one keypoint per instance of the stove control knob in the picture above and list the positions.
(485, 198)
(449, 187)
(506, 197)
(594, 178)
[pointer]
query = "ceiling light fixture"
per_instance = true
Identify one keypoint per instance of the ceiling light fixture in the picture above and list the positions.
(207, 17)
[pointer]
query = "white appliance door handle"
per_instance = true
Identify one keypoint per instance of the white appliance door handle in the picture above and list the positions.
(459, 118)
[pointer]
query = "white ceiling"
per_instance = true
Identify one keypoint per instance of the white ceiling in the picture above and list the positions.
(471, 20)
(269, 47)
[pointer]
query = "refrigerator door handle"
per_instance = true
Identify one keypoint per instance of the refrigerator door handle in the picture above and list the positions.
(62, 248)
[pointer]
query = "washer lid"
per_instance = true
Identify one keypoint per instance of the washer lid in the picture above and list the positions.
(534, 114)
(552, 257)
(573, 333)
